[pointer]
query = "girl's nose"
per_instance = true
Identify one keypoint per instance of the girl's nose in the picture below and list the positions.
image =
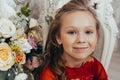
(81, 38)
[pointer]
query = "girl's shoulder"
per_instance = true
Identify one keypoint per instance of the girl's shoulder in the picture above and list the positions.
(97, 63)
(99, 70)
(47, 74)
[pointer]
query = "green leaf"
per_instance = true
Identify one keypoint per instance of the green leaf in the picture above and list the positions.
(25, 10)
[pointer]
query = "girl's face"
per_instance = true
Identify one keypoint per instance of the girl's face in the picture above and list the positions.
(78, 35)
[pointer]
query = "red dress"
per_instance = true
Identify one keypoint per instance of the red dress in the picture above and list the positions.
(92, 70)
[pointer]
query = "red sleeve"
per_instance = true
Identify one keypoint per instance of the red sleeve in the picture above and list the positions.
(47, 74)
(100, 71)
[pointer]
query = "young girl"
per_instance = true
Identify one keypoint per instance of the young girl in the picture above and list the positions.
(70, 44)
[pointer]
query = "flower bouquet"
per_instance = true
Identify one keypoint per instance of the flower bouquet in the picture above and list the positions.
(14, 43)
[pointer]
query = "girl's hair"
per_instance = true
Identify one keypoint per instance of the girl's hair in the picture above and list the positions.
(53, 51)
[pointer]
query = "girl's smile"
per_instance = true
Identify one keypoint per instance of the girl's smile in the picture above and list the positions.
(80, 49)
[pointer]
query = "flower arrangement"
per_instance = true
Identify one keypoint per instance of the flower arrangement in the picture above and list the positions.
(14, 42)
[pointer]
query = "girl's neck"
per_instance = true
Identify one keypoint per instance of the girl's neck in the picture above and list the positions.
(74, 64)
(78, 63)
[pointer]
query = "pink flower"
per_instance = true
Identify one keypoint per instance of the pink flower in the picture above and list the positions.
(32, 42)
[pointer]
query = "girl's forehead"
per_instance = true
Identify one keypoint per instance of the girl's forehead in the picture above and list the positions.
(78, 18)
(78, 13)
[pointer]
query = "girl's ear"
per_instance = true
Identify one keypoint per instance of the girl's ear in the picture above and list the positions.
(58, 40)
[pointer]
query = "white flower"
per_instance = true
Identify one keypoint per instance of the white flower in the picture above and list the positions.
(33, 23)
(24, 45)
(7, 28)
(21, 76)
(9, 2)
(19, 34)
(6, 57)
(6, 11)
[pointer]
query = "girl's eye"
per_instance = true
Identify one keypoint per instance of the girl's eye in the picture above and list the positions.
(89, 32)
(72, 32)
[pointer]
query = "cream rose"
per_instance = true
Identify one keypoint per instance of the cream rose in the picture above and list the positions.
(6, 57)
(7, 28)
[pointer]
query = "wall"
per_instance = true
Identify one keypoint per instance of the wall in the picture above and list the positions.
(114, 67)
